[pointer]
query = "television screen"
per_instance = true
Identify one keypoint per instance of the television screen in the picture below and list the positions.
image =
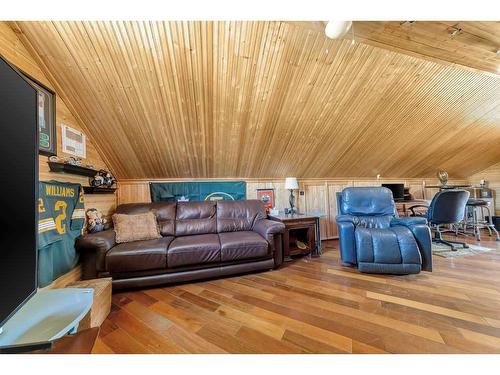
(398, 191)
(18, 191)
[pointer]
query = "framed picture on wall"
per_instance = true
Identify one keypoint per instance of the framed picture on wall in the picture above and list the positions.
(267, 197)
(46, 103)
(47, 140)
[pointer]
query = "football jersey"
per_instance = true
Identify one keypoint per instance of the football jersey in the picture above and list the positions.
(61, 217)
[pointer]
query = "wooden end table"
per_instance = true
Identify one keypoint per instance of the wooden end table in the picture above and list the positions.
(300, 227)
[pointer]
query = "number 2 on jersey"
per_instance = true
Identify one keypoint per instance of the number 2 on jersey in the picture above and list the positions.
(60, 206)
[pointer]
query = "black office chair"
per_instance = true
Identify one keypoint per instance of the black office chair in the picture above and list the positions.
(447, 207)
(418, 210)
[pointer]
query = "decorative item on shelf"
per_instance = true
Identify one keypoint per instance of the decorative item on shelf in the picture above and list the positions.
(274, 211)
(291, 184)
(482, 183)
(267, 197)
(95, 221)
(74, 161)
(407, 195)
(443, 177)
(71, 165)
(103, 179)
(301, 245)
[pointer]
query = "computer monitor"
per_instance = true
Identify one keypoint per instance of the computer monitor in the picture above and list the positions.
(398, 191)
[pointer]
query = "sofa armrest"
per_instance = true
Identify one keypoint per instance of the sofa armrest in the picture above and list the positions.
(347, 219)
(272, 231)
(347, 242)
(268, 228)
(423, 237)
(93, 248)
(408, 221)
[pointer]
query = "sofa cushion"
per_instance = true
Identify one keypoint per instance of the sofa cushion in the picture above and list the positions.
(164, 212)
(242, 245)
(135, 227)
(365, 201)
(138, 255)
(195, 218)
(239, 215)
(193, 250)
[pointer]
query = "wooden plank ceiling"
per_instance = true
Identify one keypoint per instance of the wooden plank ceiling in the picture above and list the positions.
(470, 44)
(266, 99)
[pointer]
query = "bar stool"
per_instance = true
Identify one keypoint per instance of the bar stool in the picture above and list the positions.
(475, 210)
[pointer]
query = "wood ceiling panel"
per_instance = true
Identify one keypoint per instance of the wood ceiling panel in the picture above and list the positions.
(475, 45)
(266, 99)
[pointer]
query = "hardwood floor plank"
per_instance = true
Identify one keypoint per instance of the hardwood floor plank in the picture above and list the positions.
(101, 348)
(493, 342)
(121, 342)
(309, 344)
(427, 307)
(227, 342)
(148, 337)
(266, 344)
(251, 321)
(158, 322)
(315, 305)
(401, 283)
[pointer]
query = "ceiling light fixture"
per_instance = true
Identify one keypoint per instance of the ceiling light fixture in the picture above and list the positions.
(337, 29)
(454, 31)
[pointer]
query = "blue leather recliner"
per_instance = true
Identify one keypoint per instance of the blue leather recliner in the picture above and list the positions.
(373, 237)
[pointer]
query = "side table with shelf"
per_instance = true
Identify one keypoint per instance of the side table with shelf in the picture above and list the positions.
(303, 228)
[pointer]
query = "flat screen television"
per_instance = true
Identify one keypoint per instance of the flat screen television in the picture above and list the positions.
(398, 191)
(18, 191)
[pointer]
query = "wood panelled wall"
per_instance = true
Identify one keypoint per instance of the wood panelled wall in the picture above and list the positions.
(492, 177)
(318, 194)
(12, 49)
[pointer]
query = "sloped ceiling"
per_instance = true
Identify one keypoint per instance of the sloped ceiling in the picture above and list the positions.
(265, 99)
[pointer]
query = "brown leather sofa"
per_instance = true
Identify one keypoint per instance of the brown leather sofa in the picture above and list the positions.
(199, 240)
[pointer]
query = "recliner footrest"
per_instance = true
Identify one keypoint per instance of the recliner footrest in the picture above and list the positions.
(387, 250)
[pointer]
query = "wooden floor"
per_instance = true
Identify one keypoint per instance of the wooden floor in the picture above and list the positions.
(317, 306)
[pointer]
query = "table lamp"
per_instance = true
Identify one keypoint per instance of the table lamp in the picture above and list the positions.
(291, 184)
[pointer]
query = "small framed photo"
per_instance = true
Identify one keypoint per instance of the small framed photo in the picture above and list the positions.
(46, 109)
(46, 103)
(267, 197)
(73, 142)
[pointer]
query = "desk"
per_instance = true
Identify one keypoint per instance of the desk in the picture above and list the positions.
(448, 187)
(403, 206)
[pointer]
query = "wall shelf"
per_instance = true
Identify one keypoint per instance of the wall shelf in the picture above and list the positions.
(98, 190)
(72, 169)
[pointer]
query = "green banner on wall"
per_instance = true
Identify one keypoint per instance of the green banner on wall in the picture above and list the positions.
(198, 191)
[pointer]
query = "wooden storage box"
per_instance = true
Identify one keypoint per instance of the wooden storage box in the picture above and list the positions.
(102, 301)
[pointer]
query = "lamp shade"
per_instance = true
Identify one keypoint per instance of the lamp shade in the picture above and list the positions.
(291, 183)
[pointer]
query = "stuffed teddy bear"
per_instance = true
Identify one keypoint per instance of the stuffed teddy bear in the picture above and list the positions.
(95, 221)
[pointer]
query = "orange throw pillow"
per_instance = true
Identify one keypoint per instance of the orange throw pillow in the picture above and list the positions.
(139, 227)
